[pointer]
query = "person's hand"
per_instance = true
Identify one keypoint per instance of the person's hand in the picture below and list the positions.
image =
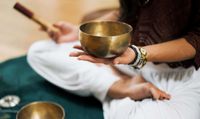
(126, 58)
(67, 32)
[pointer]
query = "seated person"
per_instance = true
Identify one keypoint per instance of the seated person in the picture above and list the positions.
(167, 31)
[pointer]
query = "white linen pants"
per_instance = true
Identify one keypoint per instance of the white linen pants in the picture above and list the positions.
(83, 78)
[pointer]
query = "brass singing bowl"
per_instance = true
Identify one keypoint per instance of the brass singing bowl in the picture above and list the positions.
(105, 39)
(41, 110)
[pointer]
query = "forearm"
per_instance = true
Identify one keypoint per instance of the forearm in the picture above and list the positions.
(172, 51)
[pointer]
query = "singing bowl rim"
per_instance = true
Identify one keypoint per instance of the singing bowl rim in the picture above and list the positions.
(105, 21)
(38, 102)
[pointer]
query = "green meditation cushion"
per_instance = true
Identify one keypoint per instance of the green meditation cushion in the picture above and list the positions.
(17, 78)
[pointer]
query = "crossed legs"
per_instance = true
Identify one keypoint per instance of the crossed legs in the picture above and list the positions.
(52, 61)
(136, 88)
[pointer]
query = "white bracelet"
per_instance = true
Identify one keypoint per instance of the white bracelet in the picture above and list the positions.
(141, 57)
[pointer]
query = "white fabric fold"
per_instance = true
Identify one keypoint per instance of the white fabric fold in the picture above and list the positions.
(83, 78)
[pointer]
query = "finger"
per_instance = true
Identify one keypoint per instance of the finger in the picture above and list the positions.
(99, 64)
(116, 61)
(63, 26)
(54, 35)
(88, 58)
(120, 60)
(93, 59)
(51, 34)
(76, 54)
(58, 24)
(79, 47)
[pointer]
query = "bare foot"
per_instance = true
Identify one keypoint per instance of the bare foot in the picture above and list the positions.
(137, 89)
(156, 93)
(141, 89)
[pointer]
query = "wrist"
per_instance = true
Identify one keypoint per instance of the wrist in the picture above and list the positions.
(140, 57)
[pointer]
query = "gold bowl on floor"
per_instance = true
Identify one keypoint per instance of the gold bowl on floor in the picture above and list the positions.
(105, 39)
(41, 110)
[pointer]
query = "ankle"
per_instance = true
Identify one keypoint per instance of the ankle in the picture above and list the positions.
(119, 89)
(147, 88)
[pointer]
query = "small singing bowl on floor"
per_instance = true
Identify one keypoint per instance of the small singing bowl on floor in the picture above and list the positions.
(41, 110)
(105, 39)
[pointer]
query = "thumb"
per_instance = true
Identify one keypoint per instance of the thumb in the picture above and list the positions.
(58, 24)
(123, 59)
(119, 60)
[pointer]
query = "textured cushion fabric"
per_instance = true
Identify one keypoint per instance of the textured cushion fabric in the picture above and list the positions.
(17, 78)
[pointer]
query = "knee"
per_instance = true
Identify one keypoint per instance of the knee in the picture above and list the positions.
(36, 49)
(50, 55)
(32, 52)
(40, 46)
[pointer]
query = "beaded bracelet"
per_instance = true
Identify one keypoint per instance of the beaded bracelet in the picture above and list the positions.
(140, 57)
